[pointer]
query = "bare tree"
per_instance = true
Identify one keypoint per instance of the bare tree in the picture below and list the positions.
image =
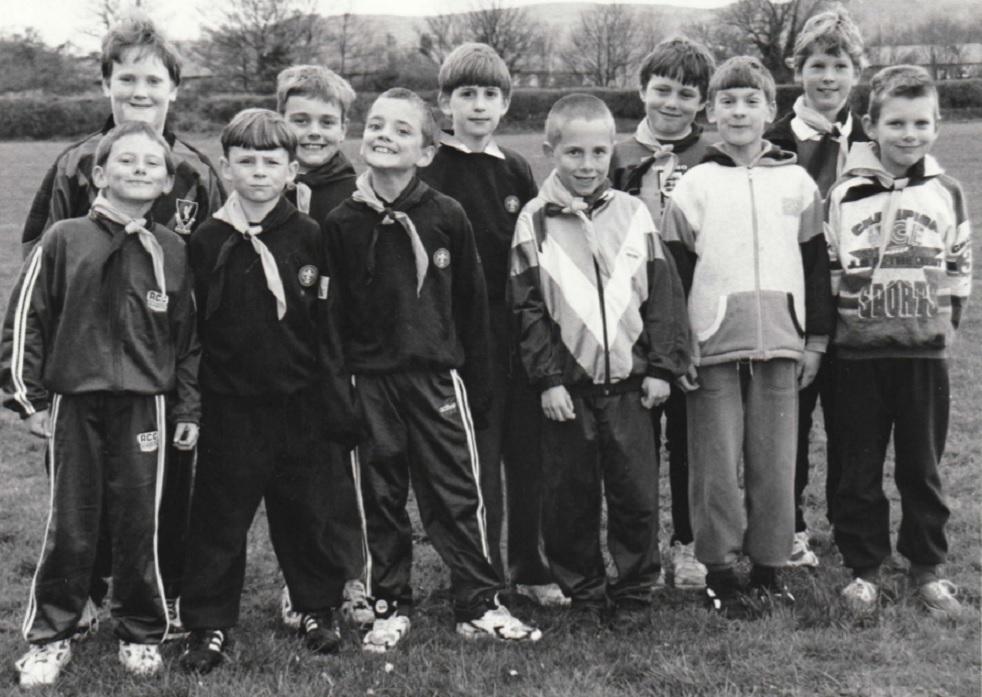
(606, 44)
(252, 40)
(511, 31)
(443, 33)
(102, 15)
(769, 28)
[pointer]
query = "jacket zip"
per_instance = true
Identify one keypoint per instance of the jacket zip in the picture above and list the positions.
(756, 252)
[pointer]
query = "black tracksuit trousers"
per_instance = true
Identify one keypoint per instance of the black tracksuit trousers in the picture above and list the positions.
(107, 464)
(420, 426)
(909, 396)
(251, 450)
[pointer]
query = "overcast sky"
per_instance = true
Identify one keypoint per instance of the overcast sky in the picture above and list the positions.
(59, 21)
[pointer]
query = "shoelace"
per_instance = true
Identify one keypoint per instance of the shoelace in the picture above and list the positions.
(216, 641)
(310, 623)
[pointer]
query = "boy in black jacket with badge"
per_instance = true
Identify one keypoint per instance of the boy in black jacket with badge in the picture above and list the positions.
(259, 281)
(406, 297)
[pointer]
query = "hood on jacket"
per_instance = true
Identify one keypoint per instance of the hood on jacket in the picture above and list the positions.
(770, 156)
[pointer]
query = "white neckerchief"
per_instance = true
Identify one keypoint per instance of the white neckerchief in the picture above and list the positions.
(364, 193)
(233, 214)
(303, 197)
(808, 124)
(135, 226)
(553, 191)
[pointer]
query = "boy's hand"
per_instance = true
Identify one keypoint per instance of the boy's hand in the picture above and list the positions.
(808, 368)
(654, 392)
(39, 424)
(557, 404)
(690, 381)
(185, 436)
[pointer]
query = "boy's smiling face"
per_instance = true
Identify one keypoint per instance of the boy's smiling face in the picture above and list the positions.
(319, 126)
(671, 107)
(393, 138)
(476, 111)
(259, 176)
(827, 80)
(135, 172)
(140, 89)
(582, 154)
(905, 131)
(741, 115)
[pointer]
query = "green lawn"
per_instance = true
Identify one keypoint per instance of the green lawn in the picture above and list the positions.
(682, 651)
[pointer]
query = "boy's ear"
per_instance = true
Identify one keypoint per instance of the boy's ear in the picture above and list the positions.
(225, 168)
(505, 103)
(710, 113)
(291, 170)
(168, 185)
(869, 127)
(426, 156)
(99, 177)
(105, 88)
(771, 111)
(547, 149)
(443, 101)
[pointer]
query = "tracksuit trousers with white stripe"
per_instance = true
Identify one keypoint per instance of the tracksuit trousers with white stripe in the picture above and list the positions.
(420, 427)
(105, 450)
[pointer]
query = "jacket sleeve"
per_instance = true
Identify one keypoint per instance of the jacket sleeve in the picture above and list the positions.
(471, 316)
(666, 319)
(37, 217)
(819, 308)
(958, 256)
(27, 324)
(346, 421)
(679, 237)
(188, 351)
(531, 323)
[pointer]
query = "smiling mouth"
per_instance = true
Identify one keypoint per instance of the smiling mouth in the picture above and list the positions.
(381, 149)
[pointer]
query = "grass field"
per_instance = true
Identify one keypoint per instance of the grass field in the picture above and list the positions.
(818, 650)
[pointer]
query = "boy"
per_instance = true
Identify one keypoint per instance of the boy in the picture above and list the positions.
(92, 383)
(899, 298)
(600, 315)
(262, 323)
(492, 184)
(407, 301)
(141, 72)
(828, 59)
(759, 321)
(315, 102)
(667, 143)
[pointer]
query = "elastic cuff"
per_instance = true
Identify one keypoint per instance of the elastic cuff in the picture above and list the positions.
(548, 382)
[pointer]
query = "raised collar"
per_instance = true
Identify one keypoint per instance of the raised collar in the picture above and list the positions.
(450, 140)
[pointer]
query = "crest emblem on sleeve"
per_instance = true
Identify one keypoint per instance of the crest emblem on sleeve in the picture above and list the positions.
(184, 215)
(307, 276)
(441, 258)
(512, 204)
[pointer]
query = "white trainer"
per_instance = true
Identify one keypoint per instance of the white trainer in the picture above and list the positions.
(500, 624)
(543, 595)
(355, 608)
(861, 596)
(386, 633)
(42, 663)
(290, 618)
(688, 573)
(140, 659)
(801, 553)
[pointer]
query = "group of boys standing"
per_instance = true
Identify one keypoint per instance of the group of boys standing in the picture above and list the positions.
(440, 316)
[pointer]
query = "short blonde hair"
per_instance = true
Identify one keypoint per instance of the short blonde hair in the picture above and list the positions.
(833, 33)
(576, 106)
(428, 124)
(313, 82)
(130, 128)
